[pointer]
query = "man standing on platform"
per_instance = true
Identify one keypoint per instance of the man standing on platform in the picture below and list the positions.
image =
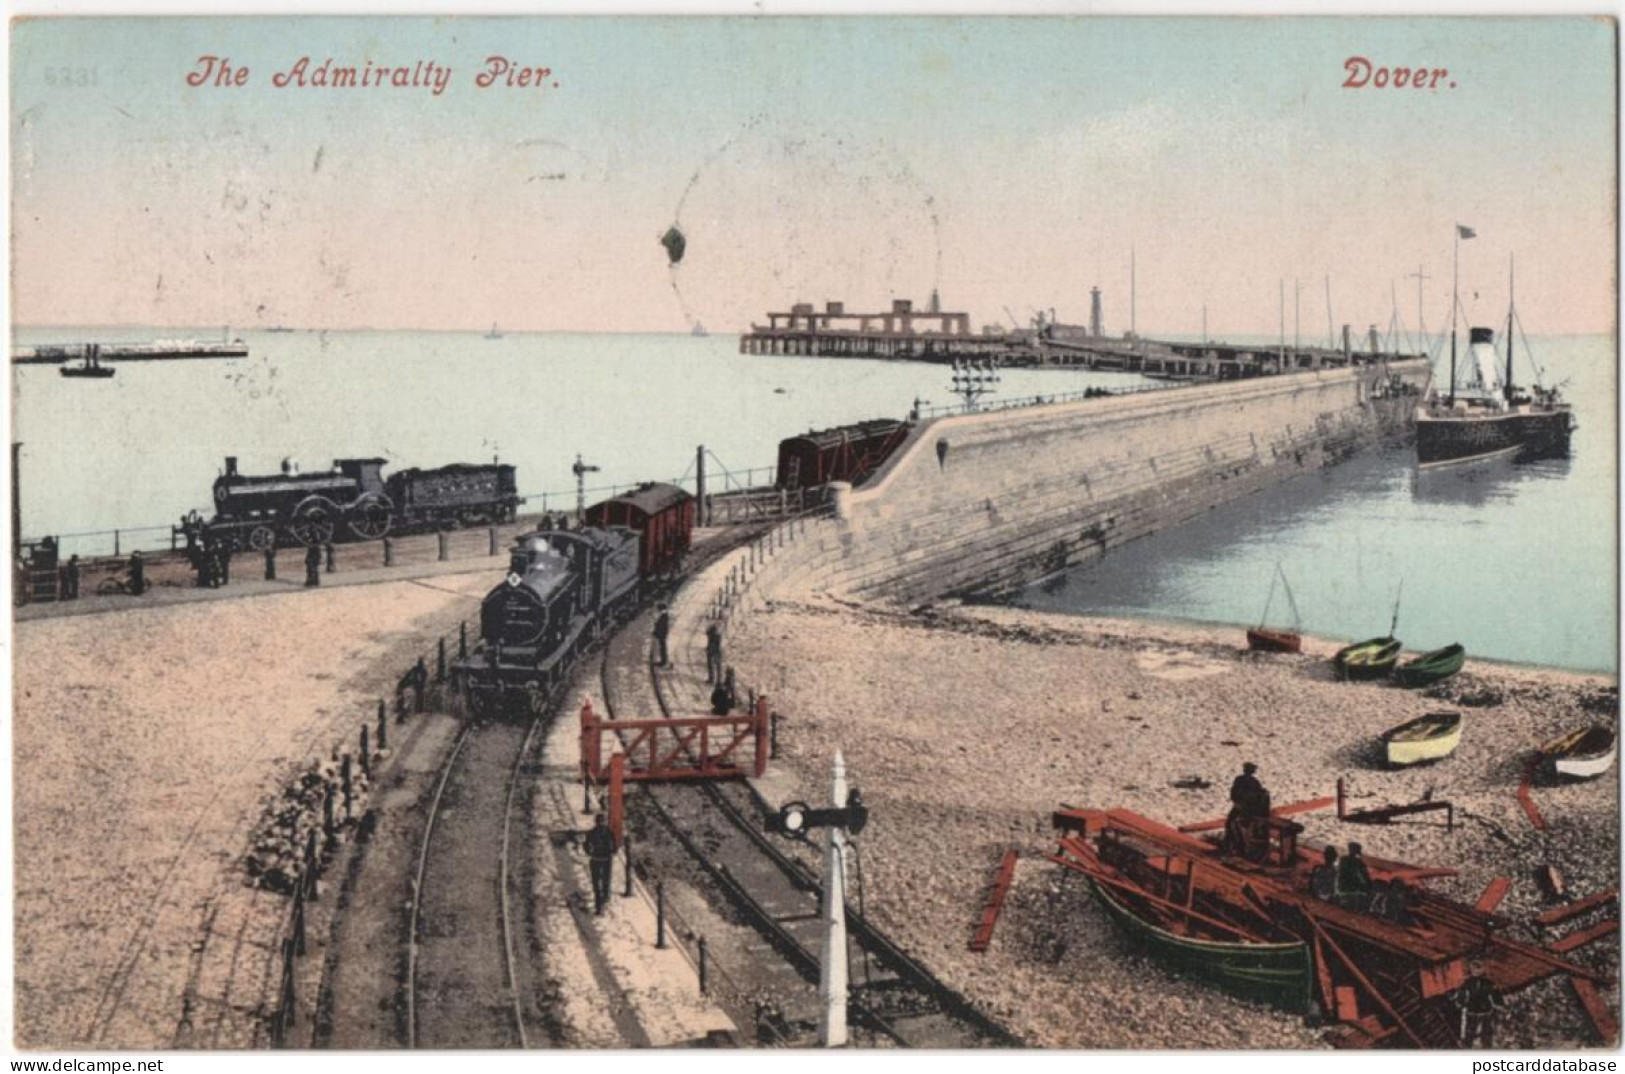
(662, 631)
(313, 566)
(600, 857)
(713, 653)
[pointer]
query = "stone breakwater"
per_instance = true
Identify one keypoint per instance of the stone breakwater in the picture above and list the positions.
(966, 729)
(983, 503)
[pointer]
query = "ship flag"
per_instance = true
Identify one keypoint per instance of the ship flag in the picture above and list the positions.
(1466, 232)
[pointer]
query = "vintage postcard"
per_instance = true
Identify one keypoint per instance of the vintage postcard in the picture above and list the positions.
(780, 532)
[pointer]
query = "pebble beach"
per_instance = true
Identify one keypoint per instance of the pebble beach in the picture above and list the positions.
(966, 727)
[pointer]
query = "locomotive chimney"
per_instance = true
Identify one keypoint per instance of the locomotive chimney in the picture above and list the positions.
(231, 466)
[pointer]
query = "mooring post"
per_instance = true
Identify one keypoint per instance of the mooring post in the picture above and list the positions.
(626, 844)
(704, 983)
(383, 726)
(440, 660)
(660, 915)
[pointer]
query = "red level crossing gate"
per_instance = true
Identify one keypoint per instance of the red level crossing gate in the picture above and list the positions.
(698, 747)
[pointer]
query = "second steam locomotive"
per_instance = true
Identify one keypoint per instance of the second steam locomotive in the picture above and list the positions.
(352, 501)
(564, 586)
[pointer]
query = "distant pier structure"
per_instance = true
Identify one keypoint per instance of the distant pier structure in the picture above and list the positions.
(903, 332)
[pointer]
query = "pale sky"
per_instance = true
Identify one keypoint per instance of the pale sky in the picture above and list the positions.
(1012, 163)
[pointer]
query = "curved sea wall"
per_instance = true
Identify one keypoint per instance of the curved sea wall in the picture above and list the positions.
(982, 503)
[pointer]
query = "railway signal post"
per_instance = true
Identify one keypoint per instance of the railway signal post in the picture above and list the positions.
(847, 814)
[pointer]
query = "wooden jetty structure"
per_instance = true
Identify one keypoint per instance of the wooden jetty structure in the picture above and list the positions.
(905, 333)
(1386, 972)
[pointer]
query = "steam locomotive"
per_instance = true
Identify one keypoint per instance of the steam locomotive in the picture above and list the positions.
(565, 586)
(352, 501)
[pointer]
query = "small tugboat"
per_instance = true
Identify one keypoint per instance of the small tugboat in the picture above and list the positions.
(1482, 415)
(1262, 639)
(1431, 667)
(1426, 738)
(92, 366)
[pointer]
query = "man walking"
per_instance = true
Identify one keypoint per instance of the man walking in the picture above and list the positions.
(600, 857)
(1478, 1003)
(662, 630)
(713, 653)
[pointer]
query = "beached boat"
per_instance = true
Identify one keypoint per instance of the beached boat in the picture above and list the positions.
(1264, 639)
(1583, 754)
(1373, 658)
(1431, 667)
(1426, 738)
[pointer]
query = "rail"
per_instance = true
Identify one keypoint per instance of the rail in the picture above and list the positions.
(924, 412)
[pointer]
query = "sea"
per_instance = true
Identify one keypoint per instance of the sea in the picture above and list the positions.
(1516, 561)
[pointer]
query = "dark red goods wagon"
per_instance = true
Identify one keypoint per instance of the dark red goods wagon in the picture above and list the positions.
(662, 514)
(847, 453)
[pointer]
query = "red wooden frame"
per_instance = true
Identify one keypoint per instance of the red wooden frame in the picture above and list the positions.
(694, 747)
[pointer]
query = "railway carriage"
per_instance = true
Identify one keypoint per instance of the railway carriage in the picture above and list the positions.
(845, 453)
(662, 514)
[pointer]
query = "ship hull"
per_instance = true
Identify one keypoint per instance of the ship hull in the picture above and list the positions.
(1442, 440)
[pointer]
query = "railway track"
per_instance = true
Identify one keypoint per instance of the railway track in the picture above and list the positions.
(464, 985)
(894, 999)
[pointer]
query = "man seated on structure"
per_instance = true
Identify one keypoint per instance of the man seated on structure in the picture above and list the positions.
(1246, 829)
(1323, 880)
(1353, 880)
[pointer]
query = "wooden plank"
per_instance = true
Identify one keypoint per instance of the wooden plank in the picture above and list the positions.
(1307, 806)
(1370, 990)
(1597, 1010)
(1531, 810)
(995, 901)
(1584, 936)
(1574, 909)
(1493, 894)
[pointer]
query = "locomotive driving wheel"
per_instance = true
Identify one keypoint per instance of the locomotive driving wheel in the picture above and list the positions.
(262, 538)
(370, 516)
(314, 520)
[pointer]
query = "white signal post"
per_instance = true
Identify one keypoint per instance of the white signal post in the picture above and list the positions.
(832, 976)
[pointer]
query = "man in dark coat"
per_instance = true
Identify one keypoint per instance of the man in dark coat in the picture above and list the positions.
(662, 631)
(138, 574)
(1478, 1002)
(600, 856)
(70, 578)
(1249, 801)
(713, 653)
(313, 566)
(1354, 880)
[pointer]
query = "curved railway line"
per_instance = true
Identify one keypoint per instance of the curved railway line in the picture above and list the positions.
(719, 826)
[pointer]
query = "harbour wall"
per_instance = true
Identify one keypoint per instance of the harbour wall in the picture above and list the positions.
(981, 504)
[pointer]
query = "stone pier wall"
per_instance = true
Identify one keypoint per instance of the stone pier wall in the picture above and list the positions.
(980, 504)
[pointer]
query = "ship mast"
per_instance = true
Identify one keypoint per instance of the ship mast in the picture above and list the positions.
(1512, 305)
(1455, 284)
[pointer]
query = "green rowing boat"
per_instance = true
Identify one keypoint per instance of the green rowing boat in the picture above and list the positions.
(1432, 667)
(1373, 658)
(1274, 973)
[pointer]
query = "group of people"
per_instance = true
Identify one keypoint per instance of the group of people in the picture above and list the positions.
(211, 559)
(1347, 882)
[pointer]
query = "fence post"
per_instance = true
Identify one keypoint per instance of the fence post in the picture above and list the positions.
(328, 553)
(420, 682)
(389, 552)
(383, 726)
(462, 640)
(440, 660)
(660, 915)
(704, 989)
(299, 920)
(763, 724)
(270, 564)
(440, 544)
(493, 532)
(773, 730)
(349, 790)
(627, 846)
(366, 754)
(312, 878)
(116, 543)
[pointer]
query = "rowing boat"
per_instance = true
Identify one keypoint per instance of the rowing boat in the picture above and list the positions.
(1373, 658)
(1431, 667)
(1426, 738)
(1263, 639)
(1585, 753)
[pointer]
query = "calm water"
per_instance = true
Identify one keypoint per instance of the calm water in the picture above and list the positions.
(1515, 561)
(142, 448)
